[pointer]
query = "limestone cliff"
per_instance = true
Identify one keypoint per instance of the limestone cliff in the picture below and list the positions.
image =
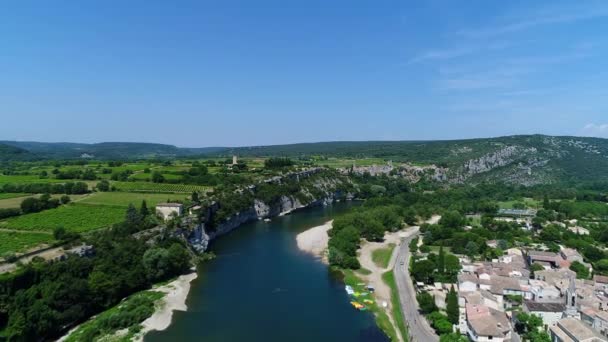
(295, 191)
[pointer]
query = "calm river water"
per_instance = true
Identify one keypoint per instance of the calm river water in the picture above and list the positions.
(262, 288)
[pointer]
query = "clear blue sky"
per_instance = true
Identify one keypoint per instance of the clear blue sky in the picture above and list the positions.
(230, 73)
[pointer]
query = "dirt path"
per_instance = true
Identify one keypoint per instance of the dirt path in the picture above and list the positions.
(7, 230)
(383, 291)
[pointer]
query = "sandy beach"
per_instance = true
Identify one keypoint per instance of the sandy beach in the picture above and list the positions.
(177, 292)
(314, 240)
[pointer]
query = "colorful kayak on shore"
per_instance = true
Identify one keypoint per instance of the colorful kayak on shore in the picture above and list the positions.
(358, 305)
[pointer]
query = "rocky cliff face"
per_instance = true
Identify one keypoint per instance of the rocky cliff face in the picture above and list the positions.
(321, 191)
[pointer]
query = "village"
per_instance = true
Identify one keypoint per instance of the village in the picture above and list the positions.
(525, 290)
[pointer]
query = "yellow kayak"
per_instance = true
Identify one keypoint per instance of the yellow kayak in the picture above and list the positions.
(357, 305)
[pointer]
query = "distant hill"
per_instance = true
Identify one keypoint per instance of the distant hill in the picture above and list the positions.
(520, 159)
(106, 150)
(8, 152)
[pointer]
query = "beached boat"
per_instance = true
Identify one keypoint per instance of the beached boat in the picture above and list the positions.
(358, 305)
(349, 290)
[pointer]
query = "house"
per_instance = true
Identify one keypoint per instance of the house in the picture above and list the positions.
(554, 276)
(467, 282)
(600, 322)
(544, 292)
(543, 258)
(549, 312)
(571, 255)
(487, 324)
(574, 330)
(166, 210)
(601, 279)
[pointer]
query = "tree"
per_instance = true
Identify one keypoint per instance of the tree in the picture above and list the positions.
(409, 216)
(195, 197)
(535, 267)
(441, 261)
(423, 271)
(453, 337)
(426, 302)
(472, 249)
(452, 308)
(452, 219)
(59, 232)
(143, 209)
(546, 203)
(582, 272)
(179, 259)
(157, 177)
(132, 217)
(602, 266)
(65, 199)
(452, 264)
(30, 205)
(156, 263)
(103, 186)
(414, 245)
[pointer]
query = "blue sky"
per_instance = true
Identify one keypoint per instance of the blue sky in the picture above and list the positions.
(232, 73)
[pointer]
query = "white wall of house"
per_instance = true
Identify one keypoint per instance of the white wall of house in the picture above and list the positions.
(475, 338)
(467, 286)
(166, 212)
(549, 318)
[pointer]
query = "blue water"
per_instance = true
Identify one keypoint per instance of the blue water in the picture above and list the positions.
(262, 288)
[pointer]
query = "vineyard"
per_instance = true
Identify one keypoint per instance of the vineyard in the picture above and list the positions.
(24, 179)
(159, 187)
(17, 242)
(125, 198)
(74, 217)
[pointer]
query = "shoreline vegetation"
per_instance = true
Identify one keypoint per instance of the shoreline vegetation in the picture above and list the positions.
(157, 305)
(315, 241)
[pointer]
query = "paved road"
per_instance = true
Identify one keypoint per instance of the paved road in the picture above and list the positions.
(418, 327)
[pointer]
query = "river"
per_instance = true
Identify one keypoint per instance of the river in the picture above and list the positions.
(262, 288)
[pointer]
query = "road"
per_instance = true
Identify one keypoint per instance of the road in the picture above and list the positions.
(418, 328)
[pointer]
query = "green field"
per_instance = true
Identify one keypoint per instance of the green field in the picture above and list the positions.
(389, 279)
(15, 202)
(125, 198)
(11, 195)
(18, 242)
(159, 187)
(528, 202)
(74, 217)
(382, 256)
(147, 176)
(4, 179)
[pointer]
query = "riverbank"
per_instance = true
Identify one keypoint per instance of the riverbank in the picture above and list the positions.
(176, 293)
(153, 308)
(315, 240)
